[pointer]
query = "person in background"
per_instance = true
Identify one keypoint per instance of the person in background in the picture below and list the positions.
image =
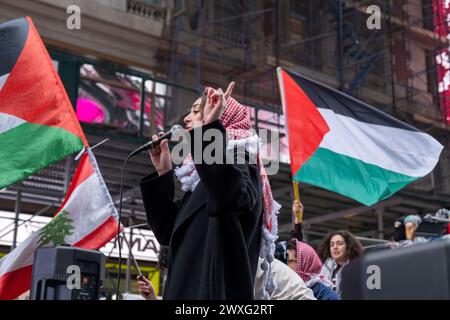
(288, 284)
(303, 259)
(399, 230)
(337, 249)
(145, 288)
(296, 232)
(411, 222)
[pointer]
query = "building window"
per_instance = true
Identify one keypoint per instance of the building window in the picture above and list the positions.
(427, 14)
(109, 98)
(228, 14)
(113, 99)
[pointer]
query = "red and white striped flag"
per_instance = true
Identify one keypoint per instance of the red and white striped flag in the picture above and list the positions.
(87, 219)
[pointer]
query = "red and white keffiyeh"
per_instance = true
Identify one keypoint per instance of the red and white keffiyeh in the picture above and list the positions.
(309, 266)
(236, 120)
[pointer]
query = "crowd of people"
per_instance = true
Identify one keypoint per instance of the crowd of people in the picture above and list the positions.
(298, 272)
(219, 239)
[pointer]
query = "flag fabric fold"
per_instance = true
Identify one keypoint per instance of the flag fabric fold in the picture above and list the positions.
(339, 143)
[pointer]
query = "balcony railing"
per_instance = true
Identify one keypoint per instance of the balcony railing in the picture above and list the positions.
(147, 10)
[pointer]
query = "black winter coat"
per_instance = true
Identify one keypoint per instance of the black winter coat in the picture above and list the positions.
(213, 233)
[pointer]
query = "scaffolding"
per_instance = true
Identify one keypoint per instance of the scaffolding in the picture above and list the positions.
(393, 67)
(244, 40)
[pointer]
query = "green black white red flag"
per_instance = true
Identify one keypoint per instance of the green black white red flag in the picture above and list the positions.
(38, 125)
(339, 143)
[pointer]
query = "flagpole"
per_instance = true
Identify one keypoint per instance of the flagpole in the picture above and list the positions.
(130, 254)
(297, 198)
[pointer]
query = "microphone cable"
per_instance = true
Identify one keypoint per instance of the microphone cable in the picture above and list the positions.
(119, 224)
(129, 156)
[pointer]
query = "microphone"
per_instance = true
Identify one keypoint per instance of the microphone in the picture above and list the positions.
(153, 144)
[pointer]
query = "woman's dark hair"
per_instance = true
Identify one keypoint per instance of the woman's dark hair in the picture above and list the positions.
(203, 100)
(354, 246)
(291, 244)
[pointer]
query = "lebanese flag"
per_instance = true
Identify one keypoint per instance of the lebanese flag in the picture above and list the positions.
(87, 219)
(339, 143)
(38, 125)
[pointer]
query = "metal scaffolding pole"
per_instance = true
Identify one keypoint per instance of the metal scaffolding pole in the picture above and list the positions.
(67, 170)
(392, 62)
(16, 219)
(128, 273)
(379, 213)
(341, 47)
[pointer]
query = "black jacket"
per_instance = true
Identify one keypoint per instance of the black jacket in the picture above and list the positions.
(213, 233)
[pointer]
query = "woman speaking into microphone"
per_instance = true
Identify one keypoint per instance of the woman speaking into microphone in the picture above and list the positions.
(216, 231)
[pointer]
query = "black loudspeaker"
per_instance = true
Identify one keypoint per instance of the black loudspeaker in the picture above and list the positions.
(418, 272)
(67, 273)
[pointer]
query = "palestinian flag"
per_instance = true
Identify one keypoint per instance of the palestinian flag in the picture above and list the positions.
(87, 219)
(339, 143)
(38, 125)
